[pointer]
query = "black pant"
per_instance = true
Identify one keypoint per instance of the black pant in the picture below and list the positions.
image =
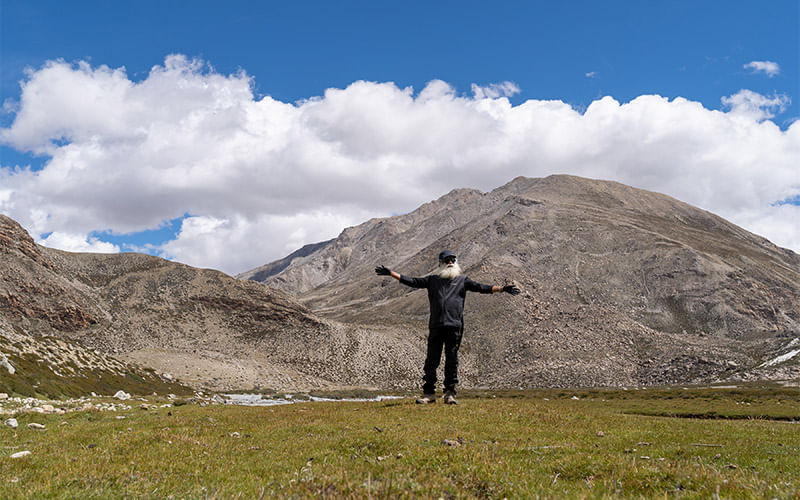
(450, 338)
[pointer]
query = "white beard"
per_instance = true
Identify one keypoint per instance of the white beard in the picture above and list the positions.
(449, 271)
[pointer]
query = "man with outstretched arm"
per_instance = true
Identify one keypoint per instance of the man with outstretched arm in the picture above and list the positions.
(447, 289)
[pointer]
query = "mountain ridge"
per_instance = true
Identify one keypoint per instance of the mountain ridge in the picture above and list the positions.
(653, 264)
(621, 287)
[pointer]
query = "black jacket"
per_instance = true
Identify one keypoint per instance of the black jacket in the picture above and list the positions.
(446, 297)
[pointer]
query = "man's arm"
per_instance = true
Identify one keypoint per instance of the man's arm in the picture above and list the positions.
(412, 282)
(507, 288)
(385, 271)
(474, 286)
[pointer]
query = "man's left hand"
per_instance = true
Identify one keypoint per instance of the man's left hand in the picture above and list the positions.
(511, 289)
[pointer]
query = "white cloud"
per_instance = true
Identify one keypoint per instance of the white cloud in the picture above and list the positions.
(769, 68)
(591, 74)
(779, 221)
(754, 106)
(262, 177)
(236, 243)
(77, 243)
(495, 90)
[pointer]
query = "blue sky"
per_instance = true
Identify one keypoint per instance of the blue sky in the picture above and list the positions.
(573, 53)
(295, 50)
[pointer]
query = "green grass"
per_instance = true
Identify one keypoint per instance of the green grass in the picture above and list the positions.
(511, 444)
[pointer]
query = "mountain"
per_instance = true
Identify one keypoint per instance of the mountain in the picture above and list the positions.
(621, 286)
(76, 322)
(261, 273)
(37, 309)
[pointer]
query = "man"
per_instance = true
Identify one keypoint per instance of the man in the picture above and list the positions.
(447, 289)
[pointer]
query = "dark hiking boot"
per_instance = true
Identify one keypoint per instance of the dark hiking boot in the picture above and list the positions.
(426, 399)
(450, 398)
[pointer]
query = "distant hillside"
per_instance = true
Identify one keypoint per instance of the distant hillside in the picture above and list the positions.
(137, 313)
(266, 271)
(622, 286)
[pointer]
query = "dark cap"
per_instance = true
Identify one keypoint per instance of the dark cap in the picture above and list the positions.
(445, 254)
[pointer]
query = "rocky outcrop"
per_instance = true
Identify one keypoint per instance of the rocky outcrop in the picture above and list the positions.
(64, 317)
(14, 240)
(33, 291)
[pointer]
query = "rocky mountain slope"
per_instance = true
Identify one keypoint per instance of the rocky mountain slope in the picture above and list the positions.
(36, 308)
(621, 286)
(160, 321)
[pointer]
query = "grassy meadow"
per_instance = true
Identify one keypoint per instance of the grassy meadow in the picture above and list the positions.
(661, 443)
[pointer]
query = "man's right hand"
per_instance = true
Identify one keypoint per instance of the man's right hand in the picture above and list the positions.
(382, 271)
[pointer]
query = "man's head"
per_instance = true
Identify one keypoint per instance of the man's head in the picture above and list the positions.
(448, 267)
(445, 255)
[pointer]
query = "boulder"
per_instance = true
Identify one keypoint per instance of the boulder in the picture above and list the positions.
(5, 364)
(122, 395)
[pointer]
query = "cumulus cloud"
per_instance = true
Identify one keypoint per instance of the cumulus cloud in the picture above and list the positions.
(591, 74)
(769, 68)
(236, 243)
(262, 177)
(78, 243)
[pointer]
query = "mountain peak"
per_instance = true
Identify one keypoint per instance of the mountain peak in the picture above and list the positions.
(588, 254)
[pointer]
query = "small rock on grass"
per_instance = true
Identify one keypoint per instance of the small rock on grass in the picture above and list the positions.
(451, 442)
(20, 454)
(34, 425)
(601, 434)
(12, 422)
